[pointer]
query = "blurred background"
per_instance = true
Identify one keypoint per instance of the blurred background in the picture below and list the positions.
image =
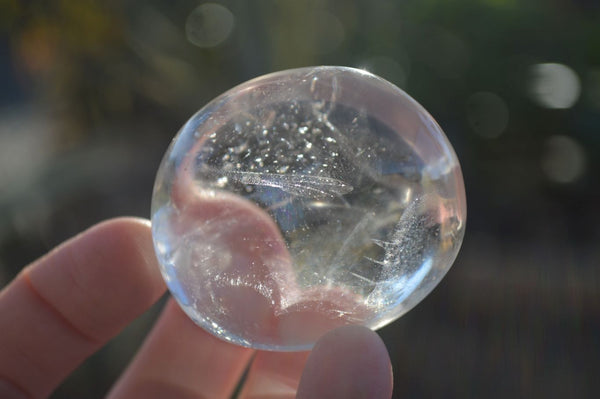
(92, 92)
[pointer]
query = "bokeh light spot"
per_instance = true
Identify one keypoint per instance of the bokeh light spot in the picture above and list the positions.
(209, 25)
(563, 159)
(487, 114)
(554, 85)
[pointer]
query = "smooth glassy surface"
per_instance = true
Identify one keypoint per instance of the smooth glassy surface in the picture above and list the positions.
(304, 200)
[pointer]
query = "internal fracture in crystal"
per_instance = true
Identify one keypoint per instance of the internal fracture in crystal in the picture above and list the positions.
(305, 200)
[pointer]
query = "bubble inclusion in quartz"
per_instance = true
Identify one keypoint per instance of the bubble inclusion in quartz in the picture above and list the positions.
(305, 200)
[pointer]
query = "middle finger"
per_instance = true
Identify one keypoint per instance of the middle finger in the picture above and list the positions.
(180, 359)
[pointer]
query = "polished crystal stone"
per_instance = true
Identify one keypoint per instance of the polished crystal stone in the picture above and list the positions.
(304, 200)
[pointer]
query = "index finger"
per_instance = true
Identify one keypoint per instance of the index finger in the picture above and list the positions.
(63, 307)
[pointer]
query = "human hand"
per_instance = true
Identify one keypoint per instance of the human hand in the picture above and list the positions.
(65, 306)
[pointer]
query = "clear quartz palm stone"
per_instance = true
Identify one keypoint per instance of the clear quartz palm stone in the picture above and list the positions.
(304, 200)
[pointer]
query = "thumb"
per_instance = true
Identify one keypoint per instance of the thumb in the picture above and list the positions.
(348, 362)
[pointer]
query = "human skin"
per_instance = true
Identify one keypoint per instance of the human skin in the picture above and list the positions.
(65, 306)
